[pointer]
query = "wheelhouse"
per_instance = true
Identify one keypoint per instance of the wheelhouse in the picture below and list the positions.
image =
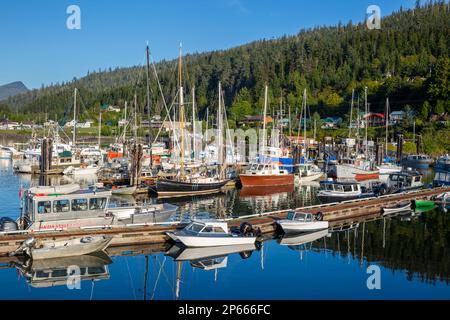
(300, 216)
(80, 204)
(405, 179)
(341, 187)
(206, 228)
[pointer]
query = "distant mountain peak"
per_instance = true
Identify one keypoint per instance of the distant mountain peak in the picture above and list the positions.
(11, 89)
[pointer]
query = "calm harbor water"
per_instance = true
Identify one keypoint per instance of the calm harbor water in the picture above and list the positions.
(413, 253)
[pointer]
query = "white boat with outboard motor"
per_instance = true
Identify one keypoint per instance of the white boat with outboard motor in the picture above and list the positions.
(302, 222)
(37, 249)
(212, 233)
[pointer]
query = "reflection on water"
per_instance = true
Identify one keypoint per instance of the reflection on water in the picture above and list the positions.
(412, 250)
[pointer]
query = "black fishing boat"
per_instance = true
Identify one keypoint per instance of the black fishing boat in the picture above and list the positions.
(175, 188)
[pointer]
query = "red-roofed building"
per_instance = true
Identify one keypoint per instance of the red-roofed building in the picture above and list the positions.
(374, 119)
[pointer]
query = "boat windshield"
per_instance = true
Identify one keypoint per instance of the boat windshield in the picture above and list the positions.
(303, 217)
(196, 227)
(291, 215)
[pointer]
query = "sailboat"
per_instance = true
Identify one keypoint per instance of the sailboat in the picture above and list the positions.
(184, 184)
(307, 171)
(267, 172)
(359, 168)
(386, 168)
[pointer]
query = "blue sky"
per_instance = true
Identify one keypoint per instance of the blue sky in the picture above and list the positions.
(37, 48)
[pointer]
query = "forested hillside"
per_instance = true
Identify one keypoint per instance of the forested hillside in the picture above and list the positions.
(407, 60)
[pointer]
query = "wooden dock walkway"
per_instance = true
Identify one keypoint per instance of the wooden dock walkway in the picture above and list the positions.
(138, 235)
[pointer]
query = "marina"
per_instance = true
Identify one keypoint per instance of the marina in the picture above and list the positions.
(295, 167)
(144, 242)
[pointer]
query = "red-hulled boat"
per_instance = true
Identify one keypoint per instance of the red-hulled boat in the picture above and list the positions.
(268, 174)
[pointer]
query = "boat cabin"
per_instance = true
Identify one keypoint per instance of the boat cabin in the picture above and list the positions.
(300, 216)
(442, 178)
(405, 180)
(270, 168)
(340, 187)
(206, 227)
(45, 204)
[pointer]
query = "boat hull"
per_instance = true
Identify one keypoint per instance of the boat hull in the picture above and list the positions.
(254, 180)
(202, 242)
(172, 188)
(312, 177)
(71, 250)
(289, 226)
(397, 208)
(342, 171)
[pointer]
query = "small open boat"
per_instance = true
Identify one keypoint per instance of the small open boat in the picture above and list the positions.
(398, 207)
(211, 233)
(302, 222)
(424, 204)
(64, 248)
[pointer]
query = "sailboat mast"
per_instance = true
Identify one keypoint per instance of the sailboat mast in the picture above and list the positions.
(387, 125)
(100, 127)
(135, 117)
(74, 118)
(194, 150)
(181, 101)
(264, 122)
(366, 122)
(351, 115)
(149, 105)
(304, 124)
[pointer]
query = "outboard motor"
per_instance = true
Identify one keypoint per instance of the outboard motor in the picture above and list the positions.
(8, 224)
(319, 216)
(246, 229)
(25, 247)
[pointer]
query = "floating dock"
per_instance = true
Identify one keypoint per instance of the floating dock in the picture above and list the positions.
(155, 233)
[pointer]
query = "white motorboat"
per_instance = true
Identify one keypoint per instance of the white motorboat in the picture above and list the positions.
(302, 222)
(307, 172)
(210, 233)
(37, 249)
(398, 207)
